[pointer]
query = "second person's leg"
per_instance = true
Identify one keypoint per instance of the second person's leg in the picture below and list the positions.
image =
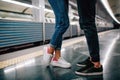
(86, 10)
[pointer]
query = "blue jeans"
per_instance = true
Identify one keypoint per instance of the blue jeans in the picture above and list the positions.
(60, 8)
(86, 11)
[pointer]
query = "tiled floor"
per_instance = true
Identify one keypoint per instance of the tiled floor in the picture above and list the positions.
(34, 69)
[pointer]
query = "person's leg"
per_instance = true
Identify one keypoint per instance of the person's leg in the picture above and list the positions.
(60, 8)
(86, 10)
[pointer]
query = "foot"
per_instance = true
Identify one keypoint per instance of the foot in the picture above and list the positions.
(47, 57)
(90, 70)
(60, 63)
(84, 63)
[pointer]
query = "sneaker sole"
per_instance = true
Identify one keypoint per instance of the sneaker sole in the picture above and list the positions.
(80, 65)
(89, 74)
(61, 66)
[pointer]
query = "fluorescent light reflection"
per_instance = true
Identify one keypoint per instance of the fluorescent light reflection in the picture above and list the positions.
(18, 66)
(107, 6)
(10, 69)
(22, 4)
(26, 5)
(63, 50)
(107, 56)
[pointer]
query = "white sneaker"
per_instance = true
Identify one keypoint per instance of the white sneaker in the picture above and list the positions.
(46, 57)
(61, 63)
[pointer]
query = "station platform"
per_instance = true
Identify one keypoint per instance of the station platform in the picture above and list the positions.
(74, 50)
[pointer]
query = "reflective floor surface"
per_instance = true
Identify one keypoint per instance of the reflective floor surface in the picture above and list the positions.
(34, 69)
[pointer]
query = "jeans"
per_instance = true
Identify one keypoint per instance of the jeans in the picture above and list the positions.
(86, 11)
(60, 8)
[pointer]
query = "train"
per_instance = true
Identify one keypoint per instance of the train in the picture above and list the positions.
(16, 35)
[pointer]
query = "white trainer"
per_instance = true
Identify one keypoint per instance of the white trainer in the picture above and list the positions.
(47, 57)
(61, 63)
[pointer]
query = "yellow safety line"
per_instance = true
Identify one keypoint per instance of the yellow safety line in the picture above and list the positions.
(19, 59)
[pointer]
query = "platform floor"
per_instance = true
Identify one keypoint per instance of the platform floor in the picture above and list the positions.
(34, 69)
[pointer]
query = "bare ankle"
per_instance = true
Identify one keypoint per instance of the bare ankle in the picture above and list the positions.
(97, 64)
(50, 50)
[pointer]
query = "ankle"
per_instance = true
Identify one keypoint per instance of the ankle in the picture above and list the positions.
(97, 64)
(50, 50)
(56, 58)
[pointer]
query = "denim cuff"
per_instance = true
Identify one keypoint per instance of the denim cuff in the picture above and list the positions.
(95, 59)
(56, 48)
(52, 46)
